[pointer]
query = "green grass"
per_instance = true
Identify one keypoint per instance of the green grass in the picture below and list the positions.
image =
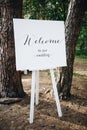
(78, 75)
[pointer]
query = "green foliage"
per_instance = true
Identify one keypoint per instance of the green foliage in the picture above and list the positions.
(46, 9)
(82, 54)
(81, 49)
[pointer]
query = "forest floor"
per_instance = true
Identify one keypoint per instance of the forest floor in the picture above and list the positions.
(16, 116)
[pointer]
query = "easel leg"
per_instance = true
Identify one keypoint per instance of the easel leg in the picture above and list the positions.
(56, 93)
(37, 87)
(32, 98)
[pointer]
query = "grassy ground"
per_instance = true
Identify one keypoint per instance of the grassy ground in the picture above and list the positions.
(16, 116)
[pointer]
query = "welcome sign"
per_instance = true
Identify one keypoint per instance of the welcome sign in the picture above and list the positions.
(39, 44)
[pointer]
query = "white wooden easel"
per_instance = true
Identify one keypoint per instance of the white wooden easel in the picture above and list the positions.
(35, 93)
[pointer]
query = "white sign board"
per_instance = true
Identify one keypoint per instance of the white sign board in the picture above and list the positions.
(39, 44)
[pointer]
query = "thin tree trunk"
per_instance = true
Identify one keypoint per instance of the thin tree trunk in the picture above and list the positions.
(75, 15)
(10, 78)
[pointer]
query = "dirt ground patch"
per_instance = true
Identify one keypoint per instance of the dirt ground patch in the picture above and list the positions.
(16, 116)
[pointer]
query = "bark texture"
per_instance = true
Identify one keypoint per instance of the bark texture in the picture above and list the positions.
(11, 85)
(75, 15)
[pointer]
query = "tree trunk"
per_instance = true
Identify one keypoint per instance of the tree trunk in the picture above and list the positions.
(75, 15)
(10, 79)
